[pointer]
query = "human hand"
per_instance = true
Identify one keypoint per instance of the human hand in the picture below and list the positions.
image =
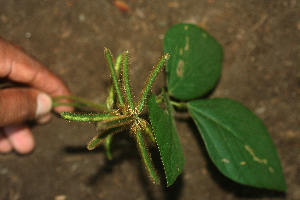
(18, 105)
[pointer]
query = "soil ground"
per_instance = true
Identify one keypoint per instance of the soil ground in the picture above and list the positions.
(261, 41)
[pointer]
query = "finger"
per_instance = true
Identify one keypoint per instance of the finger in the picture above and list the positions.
(20, 138)
(20, 67)
(5, 146)
(18, 105)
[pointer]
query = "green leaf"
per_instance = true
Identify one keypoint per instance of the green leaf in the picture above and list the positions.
(195, 63)
(166, 137)
(238, 143)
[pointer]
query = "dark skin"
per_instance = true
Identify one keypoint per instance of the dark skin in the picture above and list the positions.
(19, 105)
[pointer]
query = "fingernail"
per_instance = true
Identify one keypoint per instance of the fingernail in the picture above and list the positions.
(44, 104)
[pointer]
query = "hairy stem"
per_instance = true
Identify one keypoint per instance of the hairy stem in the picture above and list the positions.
(179, 105)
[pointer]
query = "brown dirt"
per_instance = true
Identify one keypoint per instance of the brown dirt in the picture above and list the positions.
(261, 40)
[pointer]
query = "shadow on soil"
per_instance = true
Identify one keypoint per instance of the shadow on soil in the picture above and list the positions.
(129, 153)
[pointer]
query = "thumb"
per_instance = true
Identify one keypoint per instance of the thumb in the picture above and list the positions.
(18, 105)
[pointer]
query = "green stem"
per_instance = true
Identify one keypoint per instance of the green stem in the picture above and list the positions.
(6, 84)
(79, 102)
(108, 147)
(98, 139)
(179, 105)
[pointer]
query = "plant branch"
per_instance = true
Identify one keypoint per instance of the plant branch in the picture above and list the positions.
(79, 102)
(179, 105)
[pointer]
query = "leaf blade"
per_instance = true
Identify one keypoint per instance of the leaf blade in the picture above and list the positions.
(238, 143)
(166, 138)
(196, 60)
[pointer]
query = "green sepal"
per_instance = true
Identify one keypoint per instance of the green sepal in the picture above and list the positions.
(145, 155)
(87, 117)
(98, 139)
(147, 128)
(113, 74)
(126, 87)
(115, 121)
(145, 93)
(118, 65)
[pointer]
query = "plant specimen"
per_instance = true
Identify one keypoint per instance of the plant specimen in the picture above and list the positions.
(236, 139)
(126, 112)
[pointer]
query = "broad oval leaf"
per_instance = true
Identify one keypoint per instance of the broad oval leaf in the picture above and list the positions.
(238, 143)
(166, 137)
(195, 61)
